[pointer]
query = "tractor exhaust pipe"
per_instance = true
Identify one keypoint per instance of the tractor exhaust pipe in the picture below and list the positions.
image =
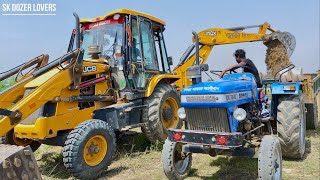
(196, 37)
(194, 72)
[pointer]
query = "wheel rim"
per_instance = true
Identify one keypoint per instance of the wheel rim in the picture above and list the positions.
(169, 111)
(277, 165)
(95, 150)
(21, 142)
(180, 163)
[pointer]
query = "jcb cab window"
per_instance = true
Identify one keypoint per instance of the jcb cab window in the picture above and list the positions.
(148, 46)
(136, 50)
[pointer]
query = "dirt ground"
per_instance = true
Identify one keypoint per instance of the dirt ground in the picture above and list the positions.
(136, 159)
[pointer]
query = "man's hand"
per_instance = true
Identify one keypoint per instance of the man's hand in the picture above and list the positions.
(222, 73)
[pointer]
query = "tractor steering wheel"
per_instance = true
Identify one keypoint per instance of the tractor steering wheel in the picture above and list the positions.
(231, 71)
(244, 67)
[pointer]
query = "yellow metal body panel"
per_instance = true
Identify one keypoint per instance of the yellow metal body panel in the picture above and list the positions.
(47, 127)
(41, 79)
(100, 67)
(218, 36)
(170, 78)
(8, 98)
(123, 11)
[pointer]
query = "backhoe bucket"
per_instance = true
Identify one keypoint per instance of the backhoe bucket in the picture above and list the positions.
(17, 162)
(286, 38)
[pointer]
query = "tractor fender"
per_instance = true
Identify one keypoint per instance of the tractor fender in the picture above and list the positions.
(286, 88)
(155, 80)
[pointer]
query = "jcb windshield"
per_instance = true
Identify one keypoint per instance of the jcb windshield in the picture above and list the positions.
(106, 34)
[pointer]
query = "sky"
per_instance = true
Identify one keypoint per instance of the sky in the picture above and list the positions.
(25, 37)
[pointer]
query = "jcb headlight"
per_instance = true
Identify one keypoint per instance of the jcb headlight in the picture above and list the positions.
(239, 114)
(182, 113)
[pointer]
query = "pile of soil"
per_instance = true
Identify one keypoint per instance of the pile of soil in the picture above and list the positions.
(276, 57)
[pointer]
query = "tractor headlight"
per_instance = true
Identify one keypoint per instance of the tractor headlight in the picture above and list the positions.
(239, 114)
(182, 113)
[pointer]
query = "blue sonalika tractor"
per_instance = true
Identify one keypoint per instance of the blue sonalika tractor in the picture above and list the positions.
(224, 118)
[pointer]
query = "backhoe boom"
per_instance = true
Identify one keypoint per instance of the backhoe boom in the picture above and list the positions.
(42, 94)
(219, 36)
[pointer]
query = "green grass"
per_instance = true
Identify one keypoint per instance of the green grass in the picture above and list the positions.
(138, 159)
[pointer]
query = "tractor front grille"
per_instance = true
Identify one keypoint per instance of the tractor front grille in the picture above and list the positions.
(208, 119)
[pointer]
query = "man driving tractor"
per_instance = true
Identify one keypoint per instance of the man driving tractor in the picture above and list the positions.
(242, 61)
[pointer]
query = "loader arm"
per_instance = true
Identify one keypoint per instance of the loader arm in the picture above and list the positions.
(12, 95)
(64, 78)
(219, 36)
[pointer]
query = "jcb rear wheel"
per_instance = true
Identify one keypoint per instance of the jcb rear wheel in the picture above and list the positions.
(10, 138)
(89, 149)
(161, 113)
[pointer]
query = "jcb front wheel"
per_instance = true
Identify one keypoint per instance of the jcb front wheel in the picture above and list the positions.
(10, 138)
(161, 113)
(89, 149)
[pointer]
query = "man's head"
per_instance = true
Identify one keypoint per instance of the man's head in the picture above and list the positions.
(239, 54)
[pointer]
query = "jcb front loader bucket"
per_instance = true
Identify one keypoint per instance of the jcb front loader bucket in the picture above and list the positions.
(17, 162)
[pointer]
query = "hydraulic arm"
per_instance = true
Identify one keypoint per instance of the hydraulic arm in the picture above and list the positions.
(13, 94)
(66, 77)
(219, 36)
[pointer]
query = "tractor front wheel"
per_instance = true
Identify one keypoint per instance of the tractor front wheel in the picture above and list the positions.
(89, 149)
(270, 159)
(161, 113)
(176, 164)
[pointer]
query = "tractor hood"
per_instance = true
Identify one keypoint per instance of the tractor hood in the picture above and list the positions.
(228, 92)
(218, 87)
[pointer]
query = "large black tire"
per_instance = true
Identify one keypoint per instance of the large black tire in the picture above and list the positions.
(291, 126)
(270, 159)
(157, 119)
(10, 138)
(91, 137)
(175, 167)
(312, 116)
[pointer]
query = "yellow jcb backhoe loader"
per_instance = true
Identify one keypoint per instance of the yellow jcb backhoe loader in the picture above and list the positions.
(118, 77)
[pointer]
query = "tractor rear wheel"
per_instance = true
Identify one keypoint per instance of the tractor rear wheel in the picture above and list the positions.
(10, 138)
(89, 149)
(270, 159)
(291, 126)
(161, 113)
(176, 164)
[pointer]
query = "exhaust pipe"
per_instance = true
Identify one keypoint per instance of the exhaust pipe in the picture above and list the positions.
(196, 37)
(194, 72)
(77, 30)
